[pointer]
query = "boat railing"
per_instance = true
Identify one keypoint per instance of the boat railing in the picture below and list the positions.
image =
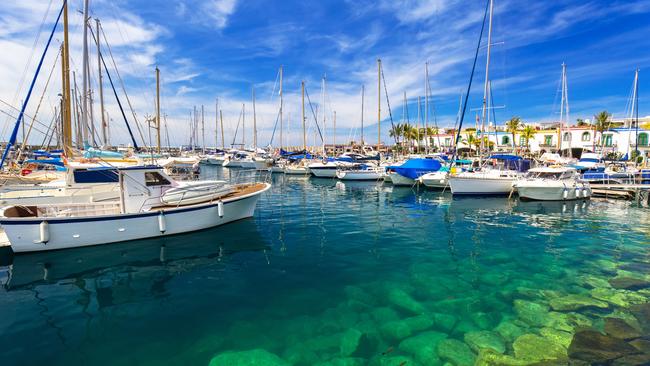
(80, 210)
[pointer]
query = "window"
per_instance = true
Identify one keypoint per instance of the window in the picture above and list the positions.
(522, 141)
(548, 140)
(448, 141)
(505, 140)
(607, 140)
(566, 137)
(155, 179)
(586, 136)
(642, 140)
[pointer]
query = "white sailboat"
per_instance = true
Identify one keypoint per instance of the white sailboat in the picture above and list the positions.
(151, 204)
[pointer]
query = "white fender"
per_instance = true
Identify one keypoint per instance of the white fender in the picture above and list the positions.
(585, 192)
(565, 193)
(220, 208)
(162, 225)
(44, 232)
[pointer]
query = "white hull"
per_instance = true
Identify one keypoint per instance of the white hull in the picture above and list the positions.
(296, 170)
(360, 175)
(214, 161)
(324, 172)
(57, 195)
(254, 164)
(233, 163)
(400, 180)
(277, 169)
(480, 185)
(70, 232)
(435, 180)
(544, 191)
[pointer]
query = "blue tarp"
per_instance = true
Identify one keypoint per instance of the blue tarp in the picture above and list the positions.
(505, 157)
(55, 161)
(414, 168)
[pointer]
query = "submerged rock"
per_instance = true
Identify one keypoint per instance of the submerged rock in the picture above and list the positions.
(403, 300)
(488, 357)
(531, 312)
(456, 352)
(256, 357)
(576, 302)
(642, 313)
(485, 320)
(393, 361)
(423, 347)
(509, 330)
(419, 323)
(557, 336)
(349, 342)
(485, 339)
(444, 322)
(347, 361)
(396, 330)
(643, 345)
(618, 328)
(593, 282)
(531, 347)
(595, 347)
(629, 283)
(616, 297)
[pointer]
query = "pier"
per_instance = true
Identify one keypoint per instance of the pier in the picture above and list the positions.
(640, 193)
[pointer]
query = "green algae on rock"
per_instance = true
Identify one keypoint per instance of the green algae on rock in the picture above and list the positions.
(532, 313)
(576, 302)
(456, 352)
(531, 347)
(485, 339)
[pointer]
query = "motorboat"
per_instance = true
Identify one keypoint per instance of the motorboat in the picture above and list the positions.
(325, 169)
(589, 161)
(554, 183)
(150, 205)
(495, 177)
(407, 174)
(438, 180)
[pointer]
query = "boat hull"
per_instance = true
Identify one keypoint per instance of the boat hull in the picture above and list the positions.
(552, 193)
(400, 180)
(435, 180)
(25, 234)
(481, 186)
(324, 172)
(359, 175)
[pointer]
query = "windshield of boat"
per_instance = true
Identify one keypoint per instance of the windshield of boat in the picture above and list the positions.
(155, 179)
(548, 175)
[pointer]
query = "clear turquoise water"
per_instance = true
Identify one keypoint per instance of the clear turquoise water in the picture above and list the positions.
(353, 274)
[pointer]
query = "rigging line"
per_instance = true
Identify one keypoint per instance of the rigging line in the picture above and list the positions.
(9, 115)
(29, 61)
(433, 111)
(14, 133)
(47, 133)
(314, 115)
(43, 124)
(471, 78)
(119, 77)
(234, 138)
(38, 107)
(275, 126)
(390, 112)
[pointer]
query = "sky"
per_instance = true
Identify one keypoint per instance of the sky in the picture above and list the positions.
(223, 49)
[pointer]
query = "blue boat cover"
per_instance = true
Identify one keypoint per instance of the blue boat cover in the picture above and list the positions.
(415, 168)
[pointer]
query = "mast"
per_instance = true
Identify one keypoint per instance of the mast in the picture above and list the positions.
(65, 64)
(216, 123)
(323, 108)
(363, 91)
(281, 105)
(487, 73)
(84, 95)
(378, 103)
(158, 108)
(334, 132)
(304, 133)
(426, 107)
(243, 126)
(635, 110)
(203, 128)
(404, 108)
(418, 124)
(223, 141)
(254, 121)
(101, 88)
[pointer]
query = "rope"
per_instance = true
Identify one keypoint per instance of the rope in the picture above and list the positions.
(314, 114)
(390, 113)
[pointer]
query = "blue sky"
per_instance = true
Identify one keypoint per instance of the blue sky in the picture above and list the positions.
(221, 48)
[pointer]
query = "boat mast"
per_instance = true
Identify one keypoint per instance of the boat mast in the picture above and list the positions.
(216, 123)
(304, 133)
(203, 128)
(223, 141)
(323, 109)
(418, 124)
(281, 106)
(378, 103)
(487, 76)
(84, 95)
(158, 108)
(426, 107)
(67, 108)
(101, 88)
(635, 111)
(254, 121)
(243, 126)
(334, 132)
(363, 92)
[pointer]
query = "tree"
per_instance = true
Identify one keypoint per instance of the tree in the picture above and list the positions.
(397, 131)
(601, 124)
(512, 126)
(471, 140)
(581, 122)
(528, 133)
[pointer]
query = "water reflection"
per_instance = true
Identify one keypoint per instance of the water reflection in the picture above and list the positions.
(160, 258)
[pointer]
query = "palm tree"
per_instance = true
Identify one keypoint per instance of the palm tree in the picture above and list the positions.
(528, 133)
(471, 140)
(397, 131)
(601, 124)
(512, 126)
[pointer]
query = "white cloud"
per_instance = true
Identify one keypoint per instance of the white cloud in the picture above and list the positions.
(219, 11)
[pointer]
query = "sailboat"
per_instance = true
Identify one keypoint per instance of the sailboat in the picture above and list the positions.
(298, 165)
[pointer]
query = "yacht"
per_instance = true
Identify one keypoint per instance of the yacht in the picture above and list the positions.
(151, 204)
(554, 183)
(361, 172)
